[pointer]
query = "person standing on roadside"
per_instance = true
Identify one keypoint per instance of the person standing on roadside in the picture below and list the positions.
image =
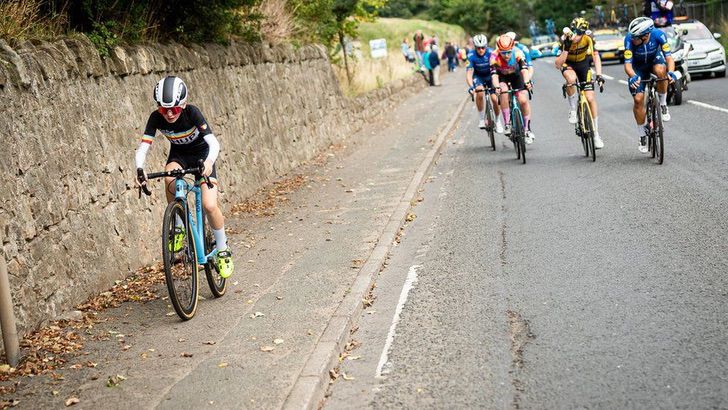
(451, 55)
(407, 51)
(434, 58)
(419, 42)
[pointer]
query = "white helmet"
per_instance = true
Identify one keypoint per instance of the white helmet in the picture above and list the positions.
(511, 35)
(480, 40)
(170, 92)
(640, 26)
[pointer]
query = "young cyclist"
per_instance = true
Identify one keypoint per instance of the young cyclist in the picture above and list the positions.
(191, 139)
(508, 65)
(575, 60)
(478, 78)
(647, 51)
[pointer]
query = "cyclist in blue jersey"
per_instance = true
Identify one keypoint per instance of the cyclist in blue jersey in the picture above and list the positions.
(191, 140)
(478, 78)
(646, 51)
(526, 52)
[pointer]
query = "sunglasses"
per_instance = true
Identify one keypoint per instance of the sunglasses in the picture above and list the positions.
(480, 48)
(174, 111)
(505, 53)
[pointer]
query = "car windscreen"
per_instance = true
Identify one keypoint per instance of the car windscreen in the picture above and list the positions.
(607, 37)
(696, 32)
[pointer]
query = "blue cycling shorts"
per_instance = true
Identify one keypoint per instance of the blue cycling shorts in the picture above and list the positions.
(645, 71)
(486, 82)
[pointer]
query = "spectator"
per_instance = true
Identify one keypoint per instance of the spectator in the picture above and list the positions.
(407, 52)
(434, 60)
(419, 41)
(451, 55)
(435, 40)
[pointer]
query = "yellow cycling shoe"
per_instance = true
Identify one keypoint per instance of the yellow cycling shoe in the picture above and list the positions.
(179, 239)
(225, 265)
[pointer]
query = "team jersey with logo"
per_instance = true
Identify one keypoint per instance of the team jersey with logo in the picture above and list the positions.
(480, 64)
(187, 133)
(501, 66)
(526, 53)
(579, 50)
(648, 52)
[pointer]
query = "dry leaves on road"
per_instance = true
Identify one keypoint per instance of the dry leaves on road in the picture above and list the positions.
(71, 401)
(264, 202)
(267, 349)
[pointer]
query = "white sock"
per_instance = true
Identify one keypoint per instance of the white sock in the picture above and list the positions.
(482, 115)
(641, 130)
(220, 239)
(572, 101)
(596, 125)
(180, 223)
(663, 98)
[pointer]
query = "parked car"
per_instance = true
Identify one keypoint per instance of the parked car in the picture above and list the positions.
(708, 55)
(680, 52)
(544, 45)
(610, 44)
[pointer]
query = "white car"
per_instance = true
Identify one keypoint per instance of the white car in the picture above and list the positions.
(708, 55)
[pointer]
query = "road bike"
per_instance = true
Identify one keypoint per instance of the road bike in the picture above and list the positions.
(518, 131)
(584, 127)
(489, 115)
(182, 260)
(655, 129)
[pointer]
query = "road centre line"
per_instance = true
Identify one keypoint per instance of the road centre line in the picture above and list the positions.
(622, 82)
(708, 106)
(607, 76)
(408, 284)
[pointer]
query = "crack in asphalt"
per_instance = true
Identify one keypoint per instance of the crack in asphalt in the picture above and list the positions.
(521, 335)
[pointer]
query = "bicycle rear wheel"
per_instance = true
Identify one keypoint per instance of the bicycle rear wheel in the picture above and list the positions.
(217, 283)
(180, 265)
(519, 136)
(490, 120)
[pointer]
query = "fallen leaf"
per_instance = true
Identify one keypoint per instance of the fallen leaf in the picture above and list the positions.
(71, 401)
(186, 354)
(267, 348)
(55, 392)
(223, 364)
(170, 313)
(256, 314)
(354, 357)
(5, 368)
(75, 366)
(209, 342)
(181, 339)
(114, 381)
(278, 342)
(279, 297)
(126, 347)
(347, 378)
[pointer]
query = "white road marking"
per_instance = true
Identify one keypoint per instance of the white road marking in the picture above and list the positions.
(623, 82)
(708, 106)
(547, 60)
(608, 77)
(408, 284)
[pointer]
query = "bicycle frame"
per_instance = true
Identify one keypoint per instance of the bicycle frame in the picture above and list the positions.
(182, 189)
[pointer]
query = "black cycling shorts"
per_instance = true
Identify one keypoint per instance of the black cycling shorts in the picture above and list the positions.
(583, 71)
(190, 159)
(516, 80)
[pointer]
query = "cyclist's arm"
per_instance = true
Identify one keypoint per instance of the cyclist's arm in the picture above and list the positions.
(597, 62)
(628, 69)
(523, 64)
(214, 145)
(469, 76)
(665, 47)
(670, 63)
(149, 131)
(206, 133)
(561, 58)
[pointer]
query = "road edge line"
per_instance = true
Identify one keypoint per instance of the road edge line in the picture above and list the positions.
(311, 384)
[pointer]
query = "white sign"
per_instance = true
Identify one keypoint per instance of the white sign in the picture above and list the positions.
(378, 48)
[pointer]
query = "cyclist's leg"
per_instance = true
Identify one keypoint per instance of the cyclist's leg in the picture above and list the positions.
(175, 161)
(571, 95)
(660, 70)
(638, 109)
(214, 215)
(504, 103)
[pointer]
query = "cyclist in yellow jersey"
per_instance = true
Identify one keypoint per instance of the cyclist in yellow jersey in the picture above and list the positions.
(577, 53)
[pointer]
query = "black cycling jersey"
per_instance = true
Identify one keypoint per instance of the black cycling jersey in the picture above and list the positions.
(185, 134)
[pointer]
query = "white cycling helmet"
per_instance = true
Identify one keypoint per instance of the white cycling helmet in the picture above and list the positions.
(480, 40)
(170, 92)
(640, 26)
(511, 35)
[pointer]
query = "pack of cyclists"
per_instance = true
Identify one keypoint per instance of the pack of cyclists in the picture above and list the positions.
(492, 70)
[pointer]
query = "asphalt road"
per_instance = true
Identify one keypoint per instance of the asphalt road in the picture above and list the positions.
(561, 283)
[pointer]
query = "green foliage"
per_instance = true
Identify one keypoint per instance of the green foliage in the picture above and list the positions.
(482, 15)
(405, 8)
(562, 11)
(324, 21)
(103, 37)
(395, 29)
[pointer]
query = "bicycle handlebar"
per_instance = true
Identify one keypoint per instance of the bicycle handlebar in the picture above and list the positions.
(176, 173)
(581, 85)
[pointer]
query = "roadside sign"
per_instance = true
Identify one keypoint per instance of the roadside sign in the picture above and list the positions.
(378, 48)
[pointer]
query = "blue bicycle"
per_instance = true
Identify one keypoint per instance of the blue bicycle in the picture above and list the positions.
(187, 242)
(518, 131)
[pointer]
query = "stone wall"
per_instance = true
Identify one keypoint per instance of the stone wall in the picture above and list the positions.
(70, 220)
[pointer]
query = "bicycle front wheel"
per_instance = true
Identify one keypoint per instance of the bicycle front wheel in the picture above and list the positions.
(658, 149)
(589, 136)
(490, 126)
(217, 283)
(519, 135)
(180, 260)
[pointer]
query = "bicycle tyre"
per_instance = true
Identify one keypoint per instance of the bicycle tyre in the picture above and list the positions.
(658, 147)
(519, 133)
(490, 118)
(184, 304)
(589, 135)
(217, 283)
(653, 115)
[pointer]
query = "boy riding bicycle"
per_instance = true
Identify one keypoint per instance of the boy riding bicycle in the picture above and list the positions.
(191, 140)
